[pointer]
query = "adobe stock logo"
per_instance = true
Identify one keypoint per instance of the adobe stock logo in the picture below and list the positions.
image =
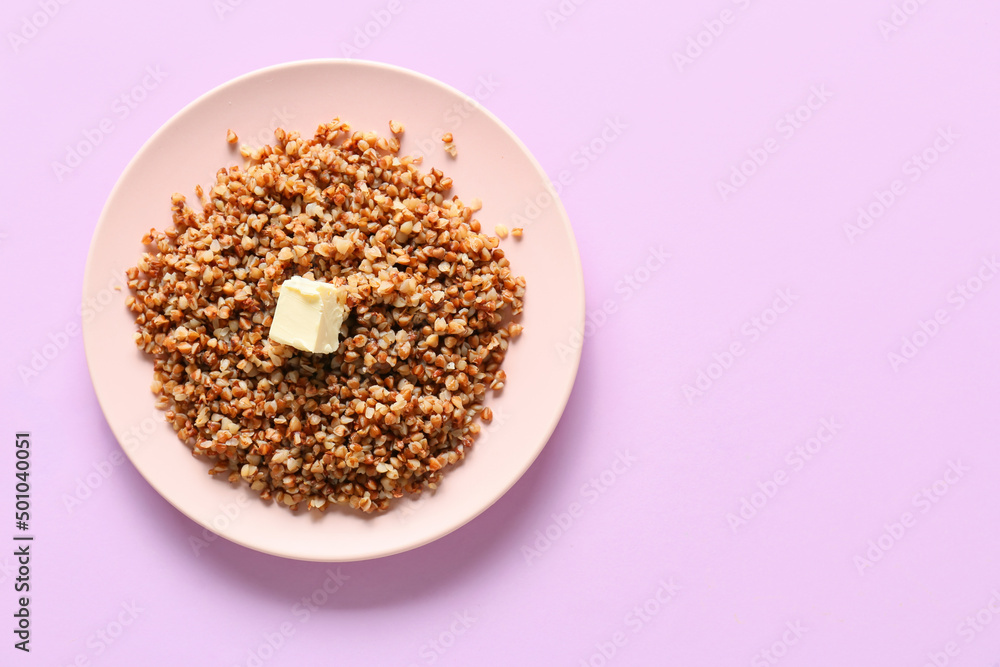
(930, 328)
(269, 643)
(787, 127)
(712, 29)
(31, 25)
(796, 459)
(779, 648)
(121, 108)
(108, 634)
(752, 330)
(60, 339)
(455, 116)
(640, 616)
(433, 649)
(223, 7)
(900, 16)
(914, 169)
(371, 30)
(971, 627)
(582, 158)
(924, 500)
(629, 285)
(91, 480)
(562, 12)
(591, 492)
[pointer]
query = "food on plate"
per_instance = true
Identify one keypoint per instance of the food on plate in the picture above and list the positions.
(408, 309)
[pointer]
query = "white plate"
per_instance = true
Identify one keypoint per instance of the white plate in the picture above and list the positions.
(492, 164)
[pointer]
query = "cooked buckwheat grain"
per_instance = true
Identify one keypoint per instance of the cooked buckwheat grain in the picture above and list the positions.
(430, 301)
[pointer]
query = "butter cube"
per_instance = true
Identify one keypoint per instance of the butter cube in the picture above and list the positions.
(309, 315)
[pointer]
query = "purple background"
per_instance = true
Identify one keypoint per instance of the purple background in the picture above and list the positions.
(836, 560)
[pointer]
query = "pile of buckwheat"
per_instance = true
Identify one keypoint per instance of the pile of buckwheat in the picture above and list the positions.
(430, 296)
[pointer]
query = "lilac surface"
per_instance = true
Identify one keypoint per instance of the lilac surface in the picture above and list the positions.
(802, 575)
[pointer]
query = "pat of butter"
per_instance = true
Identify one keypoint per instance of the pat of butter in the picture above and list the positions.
(309, 315)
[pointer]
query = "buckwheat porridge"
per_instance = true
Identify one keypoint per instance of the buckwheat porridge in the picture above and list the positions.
(430, 303)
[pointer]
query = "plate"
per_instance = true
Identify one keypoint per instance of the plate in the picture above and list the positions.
(492, 164)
